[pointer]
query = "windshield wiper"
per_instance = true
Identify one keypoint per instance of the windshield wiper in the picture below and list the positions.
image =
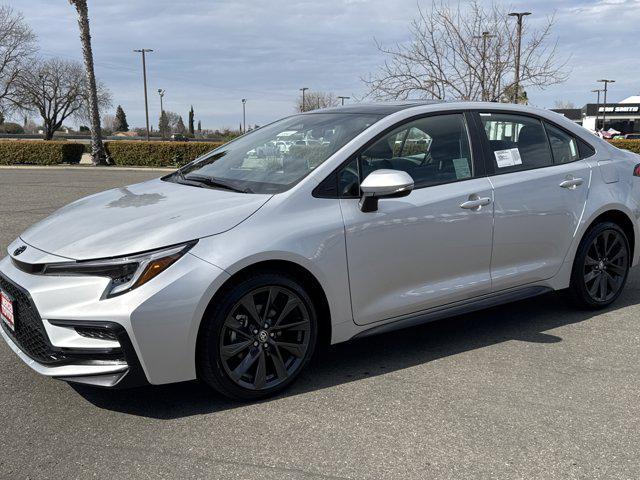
(213, 183)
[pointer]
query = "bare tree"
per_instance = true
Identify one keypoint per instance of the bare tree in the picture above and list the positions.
(109, 122)
(56, 89)
(172, 121)
(448, 56)
(564, 104)
(17, 45)
(98, 153)
(315, 100)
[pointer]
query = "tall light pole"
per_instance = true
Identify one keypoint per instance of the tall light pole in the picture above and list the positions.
(485, 36)
(604, 111)
(161, 93)
(342, 99)
(597, 90)
(244, 115)
(516, 83)
(304, 105)
(144, 51)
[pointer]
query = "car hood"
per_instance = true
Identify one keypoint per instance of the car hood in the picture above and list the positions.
(140, 217)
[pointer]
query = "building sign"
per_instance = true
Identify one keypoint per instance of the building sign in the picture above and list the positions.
(620, 109)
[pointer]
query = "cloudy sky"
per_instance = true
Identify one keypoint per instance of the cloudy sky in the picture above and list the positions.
(212, 53)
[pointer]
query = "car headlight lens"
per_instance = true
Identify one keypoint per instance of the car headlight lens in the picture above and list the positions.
(126, 273)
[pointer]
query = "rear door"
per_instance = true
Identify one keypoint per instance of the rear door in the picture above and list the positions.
(540, 187)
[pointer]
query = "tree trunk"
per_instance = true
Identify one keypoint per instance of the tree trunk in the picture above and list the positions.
(98, 153)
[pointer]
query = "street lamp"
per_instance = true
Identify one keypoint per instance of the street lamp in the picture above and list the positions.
(161, 93)
(144, 51)
(342, 99)
(597, 90)
(604, 111)
(244, 115)
(485, 36)
(304, 105)
(519, 16)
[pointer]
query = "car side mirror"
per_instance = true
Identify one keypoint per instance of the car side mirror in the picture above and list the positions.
(384, 184)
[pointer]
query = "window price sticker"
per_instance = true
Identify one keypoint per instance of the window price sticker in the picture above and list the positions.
(508, 158)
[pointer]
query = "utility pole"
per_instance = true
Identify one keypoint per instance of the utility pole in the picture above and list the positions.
(244, 115)
(342, 99)
(516, 83)
(598, 90)
(604, 111)
(304, 105)
(485, 36)
(144, 51)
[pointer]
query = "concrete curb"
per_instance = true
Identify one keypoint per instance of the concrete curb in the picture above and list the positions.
(84, 167)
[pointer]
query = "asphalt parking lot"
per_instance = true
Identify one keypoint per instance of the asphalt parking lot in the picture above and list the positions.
(532, 390)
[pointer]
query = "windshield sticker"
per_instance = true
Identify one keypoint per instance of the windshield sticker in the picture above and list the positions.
(508, 158)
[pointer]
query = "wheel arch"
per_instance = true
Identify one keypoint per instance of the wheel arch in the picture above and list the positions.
(308, 280)
(621, 219)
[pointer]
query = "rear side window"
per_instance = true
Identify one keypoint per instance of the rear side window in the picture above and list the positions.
(517, 142)
(564, 146)
(585, 149)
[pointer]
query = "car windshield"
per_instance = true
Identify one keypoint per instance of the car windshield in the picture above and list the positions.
(273, 158)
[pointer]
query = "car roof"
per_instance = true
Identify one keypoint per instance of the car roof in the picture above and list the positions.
(388, 108)
(381, 108)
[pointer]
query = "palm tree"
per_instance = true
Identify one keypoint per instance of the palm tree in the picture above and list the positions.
(98, 153)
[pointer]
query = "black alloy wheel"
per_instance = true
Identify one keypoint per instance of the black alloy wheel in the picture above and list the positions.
(601, 266)
(259, 338)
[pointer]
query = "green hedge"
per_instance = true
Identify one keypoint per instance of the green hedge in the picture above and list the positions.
(157, 154)
(632, 145)
(39, 152)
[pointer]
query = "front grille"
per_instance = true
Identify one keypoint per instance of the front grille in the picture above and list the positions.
(32, 338)
(30, 334)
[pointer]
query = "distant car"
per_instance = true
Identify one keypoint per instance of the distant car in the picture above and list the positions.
(234, 268)
(632, 136)
(178, 137)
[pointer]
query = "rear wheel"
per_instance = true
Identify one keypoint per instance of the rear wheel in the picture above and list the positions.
(259, 337)
(601, 266)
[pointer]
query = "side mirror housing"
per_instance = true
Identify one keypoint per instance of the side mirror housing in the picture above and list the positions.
(384, 184)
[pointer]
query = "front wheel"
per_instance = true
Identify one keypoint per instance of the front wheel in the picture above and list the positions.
(258, 338)
(601, 266)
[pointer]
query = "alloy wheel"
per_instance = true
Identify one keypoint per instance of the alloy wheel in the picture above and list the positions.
(265, 338)
(605, 266)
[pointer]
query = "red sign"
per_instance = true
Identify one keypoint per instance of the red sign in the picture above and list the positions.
(6, 310)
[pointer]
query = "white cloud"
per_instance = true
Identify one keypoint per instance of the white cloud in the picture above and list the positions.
(212, 54)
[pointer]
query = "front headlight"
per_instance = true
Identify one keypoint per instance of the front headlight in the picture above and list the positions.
(126, 273)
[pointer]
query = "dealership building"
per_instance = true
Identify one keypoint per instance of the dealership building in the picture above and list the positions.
(623, 117)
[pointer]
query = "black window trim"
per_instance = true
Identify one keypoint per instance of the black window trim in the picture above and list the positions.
(477, 154)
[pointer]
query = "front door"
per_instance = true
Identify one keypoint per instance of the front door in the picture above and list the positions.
(432, 247)
(540, 187)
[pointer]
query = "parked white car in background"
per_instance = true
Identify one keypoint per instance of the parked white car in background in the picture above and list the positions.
(234, 268)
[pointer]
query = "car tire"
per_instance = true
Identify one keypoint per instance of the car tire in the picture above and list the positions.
(601, 267)
(246, 353)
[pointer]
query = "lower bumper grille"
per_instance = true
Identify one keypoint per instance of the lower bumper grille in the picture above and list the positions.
(32, 338)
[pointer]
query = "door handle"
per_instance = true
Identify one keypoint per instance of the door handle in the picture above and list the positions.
(571, 183)
(475, 202)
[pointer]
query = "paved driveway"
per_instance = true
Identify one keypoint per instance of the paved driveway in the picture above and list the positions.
(533, 390)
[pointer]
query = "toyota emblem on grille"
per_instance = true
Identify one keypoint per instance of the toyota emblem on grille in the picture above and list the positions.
(19, 250)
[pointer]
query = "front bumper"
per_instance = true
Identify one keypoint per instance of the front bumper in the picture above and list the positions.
(150, 332)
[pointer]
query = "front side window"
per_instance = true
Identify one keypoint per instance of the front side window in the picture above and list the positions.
(433, 150)
(516, 141)
(274, 158)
